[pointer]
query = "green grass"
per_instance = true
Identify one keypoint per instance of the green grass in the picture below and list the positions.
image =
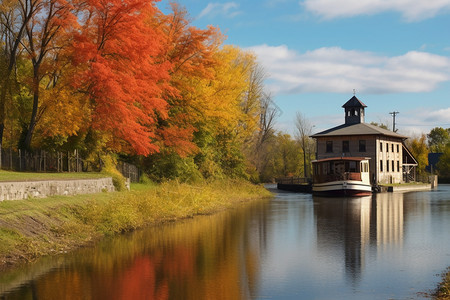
(32, 228)
(22, 176)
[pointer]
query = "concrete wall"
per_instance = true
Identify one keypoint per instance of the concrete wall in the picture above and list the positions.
(19, 190)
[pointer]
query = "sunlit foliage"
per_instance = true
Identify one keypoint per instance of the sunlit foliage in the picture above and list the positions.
(123, 77)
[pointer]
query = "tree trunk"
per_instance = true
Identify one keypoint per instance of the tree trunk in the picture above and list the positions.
(32, 125)
(4, 87)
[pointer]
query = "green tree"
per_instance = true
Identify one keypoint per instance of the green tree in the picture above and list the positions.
(444, 162)
(381, 125)
(438, 139)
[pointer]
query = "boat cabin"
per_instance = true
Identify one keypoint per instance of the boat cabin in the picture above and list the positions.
(341, 176)
(337, 169)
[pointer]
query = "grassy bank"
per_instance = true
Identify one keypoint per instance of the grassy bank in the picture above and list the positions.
(443, 291)
(37, 227)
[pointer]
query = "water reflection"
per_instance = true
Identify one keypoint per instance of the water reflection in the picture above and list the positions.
(208, 257)
(389, 220)
(343, 228)
(294, 246)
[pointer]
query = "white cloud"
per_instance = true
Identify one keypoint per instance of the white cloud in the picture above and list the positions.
(337, 70)
(228, 9)
(439, 116)
(411, 10)
(417, 121)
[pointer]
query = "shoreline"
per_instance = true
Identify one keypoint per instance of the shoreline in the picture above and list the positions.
(50, 226)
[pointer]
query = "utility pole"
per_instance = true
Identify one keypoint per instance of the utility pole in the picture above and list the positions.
(394, 113)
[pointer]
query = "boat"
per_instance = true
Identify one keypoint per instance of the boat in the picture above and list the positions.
(341, 176)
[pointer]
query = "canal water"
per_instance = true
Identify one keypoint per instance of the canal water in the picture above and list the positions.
(295, 246)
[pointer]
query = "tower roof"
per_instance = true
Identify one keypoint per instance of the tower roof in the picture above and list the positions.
(354, 102)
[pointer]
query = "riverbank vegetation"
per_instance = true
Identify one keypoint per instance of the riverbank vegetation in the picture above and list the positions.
(37, 227)
(442, 292)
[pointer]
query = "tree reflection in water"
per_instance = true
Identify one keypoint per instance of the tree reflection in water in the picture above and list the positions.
(208, 257)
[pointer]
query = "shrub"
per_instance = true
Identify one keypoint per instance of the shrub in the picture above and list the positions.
(109, 168)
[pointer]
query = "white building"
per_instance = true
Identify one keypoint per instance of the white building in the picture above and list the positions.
(390, 161)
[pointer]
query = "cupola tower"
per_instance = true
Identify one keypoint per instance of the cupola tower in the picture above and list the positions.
(354, 111)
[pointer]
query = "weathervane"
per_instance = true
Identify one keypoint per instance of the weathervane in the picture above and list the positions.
(354, 92)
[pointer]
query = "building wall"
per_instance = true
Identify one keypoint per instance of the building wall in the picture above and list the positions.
(373, 151)
(389, 154)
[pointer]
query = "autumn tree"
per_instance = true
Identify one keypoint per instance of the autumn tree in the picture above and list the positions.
(419, 150)
(190, 50)
(118, 56)
(288, 157)
(50, 19)
(225, 125)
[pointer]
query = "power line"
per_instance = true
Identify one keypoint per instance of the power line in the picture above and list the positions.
(434, 124)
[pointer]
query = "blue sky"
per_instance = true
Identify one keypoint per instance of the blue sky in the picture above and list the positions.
(395, 53)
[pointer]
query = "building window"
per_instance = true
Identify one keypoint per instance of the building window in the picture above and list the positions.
(345, 146)
(398, 165)
(381, 165)
(381, 147)
(362, 146)
(393, 166)
(329, 146)
(392, 148)
(387, 147)
(387, 166)
(398, 148)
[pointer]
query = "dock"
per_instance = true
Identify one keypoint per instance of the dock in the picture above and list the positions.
(295, 184)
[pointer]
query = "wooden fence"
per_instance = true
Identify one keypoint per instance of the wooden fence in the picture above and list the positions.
(58, 161)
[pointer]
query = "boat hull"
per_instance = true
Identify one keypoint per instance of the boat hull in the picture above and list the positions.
(342, 188)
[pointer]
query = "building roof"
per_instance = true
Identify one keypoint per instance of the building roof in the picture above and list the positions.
(357, 129)
(354, 102)
(343, 158)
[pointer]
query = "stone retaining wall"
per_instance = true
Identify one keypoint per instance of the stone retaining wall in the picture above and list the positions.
(19, 190)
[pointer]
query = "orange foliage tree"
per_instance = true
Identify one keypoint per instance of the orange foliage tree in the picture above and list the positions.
(190, 50)
(121, 76)
(117, 53)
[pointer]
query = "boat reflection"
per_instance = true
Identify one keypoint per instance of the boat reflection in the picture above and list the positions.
(343, 228)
